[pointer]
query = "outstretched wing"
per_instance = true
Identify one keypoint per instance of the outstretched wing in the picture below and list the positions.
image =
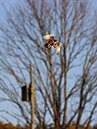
(58, 47)
(48, 37)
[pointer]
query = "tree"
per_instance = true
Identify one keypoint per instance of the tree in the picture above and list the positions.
(9, 126)
(66, 84)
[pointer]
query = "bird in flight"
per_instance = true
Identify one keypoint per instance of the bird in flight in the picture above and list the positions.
(52, 43)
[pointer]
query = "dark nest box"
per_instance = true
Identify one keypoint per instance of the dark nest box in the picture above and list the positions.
(26, 93)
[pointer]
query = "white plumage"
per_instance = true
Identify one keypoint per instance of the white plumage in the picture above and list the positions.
(58, 48)
(52, 42)
(48, 36)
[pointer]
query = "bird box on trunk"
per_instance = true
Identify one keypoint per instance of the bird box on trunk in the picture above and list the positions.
(26, 93)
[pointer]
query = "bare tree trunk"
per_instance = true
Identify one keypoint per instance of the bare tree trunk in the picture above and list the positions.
(65, 87)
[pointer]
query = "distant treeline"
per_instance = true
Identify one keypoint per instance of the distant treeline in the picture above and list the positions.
(11, 126)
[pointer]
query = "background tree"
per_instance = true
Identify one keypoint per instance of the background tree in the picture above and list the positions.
(66, 84)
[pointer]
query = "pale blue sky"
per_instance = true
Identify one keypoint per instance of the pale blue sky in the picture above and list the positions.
(6, 4)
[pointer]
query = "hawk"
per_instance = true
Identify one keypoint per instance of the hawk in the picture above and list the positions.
(52, 43)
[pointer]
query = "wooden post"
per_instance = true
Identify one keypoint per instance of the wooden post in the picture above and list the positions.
(32, 97)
